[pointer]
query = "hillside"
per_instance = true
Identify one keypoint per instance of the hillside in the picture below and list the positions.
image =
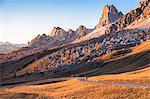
(83, 89)
(114, 62)
(119, 61)
(92, 88)
(138, 76)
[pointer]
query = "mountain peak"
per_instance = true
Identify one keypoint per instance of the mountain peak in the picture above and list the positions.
(70, 31)
(109, 15)
(81, 28)
(142, 4)
(57, 31)
(57, 28)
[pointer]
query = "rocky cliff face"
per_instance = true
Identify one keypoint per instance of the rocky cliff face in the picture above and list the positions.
(60, 36)
(146, 11)
(136, 18)
(109, 15)
(141, 11)
(82, 31)
(41, 40)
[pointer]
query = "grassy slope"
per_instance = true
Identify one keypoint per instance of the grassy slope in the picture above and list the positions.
(84, 90)
(8, 69)
(142, 76)
(75, 89)
(137, 59)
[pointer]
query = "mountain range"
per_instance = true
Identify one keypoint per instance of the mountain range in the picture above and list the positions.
(111, 20)
(60, 36)
(119, 43)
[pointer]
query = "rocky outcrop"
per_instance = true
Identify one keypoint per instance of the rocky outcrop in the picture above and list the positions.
(143, 21)
(41, 40)
(82, 31)
(59, 36)
(109, 15)
(146, 11)
(71, 34)
(141, 9)
(142, 4)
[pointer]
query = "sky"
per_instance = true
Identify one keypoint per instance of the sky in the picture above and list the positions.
(22, 20)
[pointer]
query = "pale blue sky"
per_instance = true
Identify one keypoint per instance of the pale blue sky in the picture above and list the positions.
(22, 20)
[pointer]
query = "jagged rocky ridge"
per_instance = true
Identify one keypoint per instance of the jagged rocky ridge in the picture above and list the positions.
(141, 11)
(59, 36)
(131, 20)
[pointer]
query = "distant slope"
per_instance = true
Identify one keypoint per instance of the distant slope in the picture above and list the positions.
(8, 47)
(8, 69)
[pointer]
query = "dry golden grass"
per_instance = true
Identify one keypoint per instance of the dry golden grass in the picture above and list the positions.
(108, 55)
(75, 89)
(140, 76)
(142, 47)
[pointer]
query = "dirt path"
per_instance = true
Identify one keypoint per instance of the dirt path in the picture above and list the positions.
(130, 84)
(45, 81)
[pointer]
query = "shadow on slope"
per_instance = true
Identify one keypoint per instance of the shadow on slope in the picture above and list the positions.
(128, 63)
